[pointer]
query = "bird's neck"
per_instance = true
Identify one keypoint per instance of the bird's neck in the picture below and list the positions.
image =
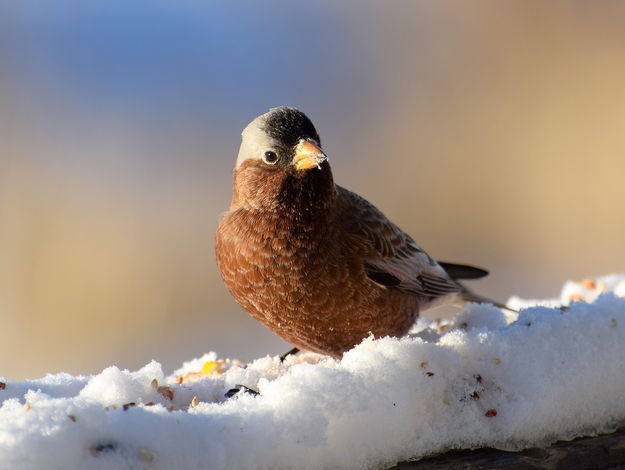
(309, 197)
(299, 206)
(299, 194)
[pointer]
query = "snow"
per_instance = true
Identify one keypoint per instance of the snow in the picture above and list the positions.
(487, 378)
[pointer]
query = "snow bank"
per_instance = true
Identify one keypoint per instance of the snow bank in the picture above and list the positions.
(489, 378)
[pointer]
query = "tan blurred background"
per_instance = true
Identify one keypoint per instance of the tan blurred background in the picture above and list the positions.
(493, 132)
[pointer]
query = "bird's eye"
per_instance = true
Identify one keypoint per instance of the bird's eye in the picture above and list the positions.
(270, 158)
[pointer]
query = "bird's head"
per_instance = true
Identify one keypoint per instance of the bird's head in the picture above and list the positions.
(280, 161)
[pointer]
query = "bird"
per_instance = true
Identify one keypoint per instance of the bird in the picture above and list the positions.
(317, 264)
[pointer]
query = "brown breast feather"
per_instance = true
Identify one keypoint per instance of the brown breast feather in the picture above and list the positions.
(305, 279)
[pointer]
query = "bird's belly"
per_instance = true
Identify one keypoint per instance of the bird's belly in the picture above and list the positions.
(321, 302)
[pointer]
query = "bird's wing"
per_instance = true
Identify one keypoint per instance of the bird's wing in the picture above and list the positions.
(393, 259)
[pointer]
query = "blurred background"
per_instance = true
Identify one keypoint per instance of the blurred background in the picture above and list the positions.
(493, 132)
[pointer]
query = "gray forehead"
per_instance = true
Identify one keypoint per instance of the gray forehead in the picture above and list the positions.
(255, 141)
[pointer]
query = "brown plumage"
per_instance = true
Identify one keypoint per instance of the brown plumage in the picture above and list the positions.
(314, 262)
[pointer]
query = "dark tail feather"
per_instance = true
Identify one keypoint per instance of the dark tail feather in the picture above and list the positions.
(463, 271)
(470, 296)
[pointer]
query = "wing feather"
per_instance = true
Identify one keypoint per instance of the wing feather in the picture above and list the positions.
(394, 260)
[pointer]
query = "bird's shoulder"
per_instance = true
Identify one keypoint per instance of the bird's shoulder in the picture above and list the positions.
(360, 218)
(394, 259)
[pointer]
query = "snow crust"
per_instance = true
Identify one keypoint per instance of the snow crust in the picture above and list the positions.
(488, 378)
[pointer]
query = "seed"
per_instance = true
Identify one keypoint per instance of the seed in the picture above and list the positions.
(491, 413)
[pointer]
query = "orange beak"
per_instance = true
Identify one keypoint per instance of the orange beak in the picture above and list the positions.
(308, 155)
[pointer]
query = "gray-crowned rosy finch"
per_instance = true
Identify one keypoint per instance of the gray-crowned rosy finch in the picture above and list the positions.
(317, 264)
